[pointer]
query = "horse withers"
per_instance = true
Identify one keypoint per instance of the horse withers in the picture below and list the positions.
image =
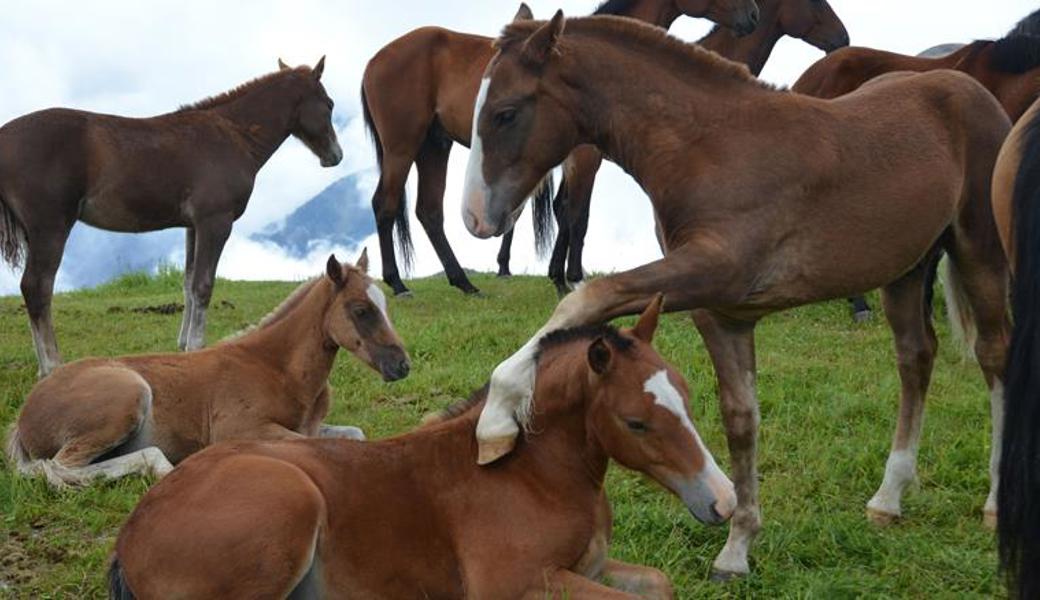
(414, 517)
(192, 168)
(757, 192)
(107, 417)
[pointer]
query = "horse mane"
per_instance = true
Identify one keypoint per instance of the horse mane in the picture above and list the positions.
(1015, 54)
(279, 312)
(614, 7)
(639, 37)
(238, 91)
(1029, 25)
(551, 340)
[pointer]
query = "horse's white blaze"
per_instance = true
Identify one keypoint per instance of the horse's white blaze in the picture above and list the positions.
(660, 387)
(475, 193)
(378, 298)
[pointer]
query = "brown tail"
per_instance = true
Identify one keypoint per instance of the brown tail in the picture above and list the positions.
(12, 236)
(16, 452)
(453, 410)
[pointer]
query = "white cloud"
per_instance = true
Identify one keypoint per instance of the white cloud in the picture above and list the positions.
(127, 58)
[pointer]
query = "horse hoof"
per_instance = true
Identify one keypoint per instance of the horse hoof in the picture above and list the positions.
(490, 450)
(862, 316)
(720, 576)
(475, 293)
(404, 294)
(881, 518)
(504, 275)
(989, 520)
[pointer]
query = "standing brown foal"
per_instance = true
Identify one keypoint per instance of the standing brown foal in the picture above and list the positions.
(414, 517)
(756, 192)
(191, 168)
(106, 417)
(813, 21)
(418, 93)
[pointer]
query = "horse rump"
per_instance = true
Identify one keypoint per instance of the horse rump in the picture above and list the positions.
(1018, 498)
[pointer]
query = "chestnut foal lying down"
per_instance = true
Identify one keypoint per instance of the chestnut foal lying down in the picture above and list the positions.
(107, 417)
(415, 517)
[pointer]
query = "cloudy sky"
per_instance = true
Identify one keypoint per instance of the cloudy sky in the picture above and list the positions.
(143, 58)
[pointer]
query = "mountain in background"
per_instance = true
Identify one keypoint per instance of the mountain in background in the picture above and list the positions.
(339, 216)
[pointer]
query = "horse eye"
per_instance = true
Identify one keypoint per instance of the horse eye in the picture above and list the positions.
(638, 426)
(360, 311)
(505, 117)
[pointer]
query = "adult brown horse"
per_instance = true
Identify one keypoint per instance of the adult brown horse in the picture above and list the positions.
(414, 517)
(756, 192)
(106, 417)
(813, 21)
(1016, 206)
(191, 168)
(1008, 67)
(418, 93)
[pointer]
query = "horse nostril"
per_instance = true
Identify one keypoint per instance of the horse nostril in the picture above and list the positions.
(403, 367)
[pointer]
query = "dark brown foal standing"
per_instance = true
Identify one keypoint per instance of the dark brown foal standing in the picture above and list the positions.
(813, 21)
(418, 93)
(756, 192)
(192, 168)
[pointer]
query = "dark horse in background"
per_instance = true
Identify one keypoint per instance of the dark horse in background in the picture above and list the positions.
(1016, 207)
(813, 21)
(418, 93)
(1008, 67)
(191, 168)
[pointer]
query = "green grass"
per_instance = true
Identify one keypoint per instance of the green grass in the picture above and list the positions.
(828, 390)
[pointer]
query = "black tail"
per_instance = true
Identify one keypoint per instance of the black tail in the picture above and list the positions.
(544, 224)
(117, 586)
(1018, 501)
(12, 236)
(404, 233)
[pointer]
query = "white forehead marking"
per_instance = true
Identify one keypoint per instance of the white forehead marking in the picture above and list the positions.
(475, 166)
(377, 297)
(667, 396)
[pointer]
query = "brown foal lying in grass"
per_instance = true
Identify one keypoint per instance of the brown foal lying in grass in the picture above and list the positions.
(415, 517)
(107, 417)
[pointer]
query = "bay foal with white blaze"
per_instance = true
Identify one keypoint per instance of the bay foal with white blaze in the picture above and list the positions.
(106, 417)
(414, 517)
(756, 192)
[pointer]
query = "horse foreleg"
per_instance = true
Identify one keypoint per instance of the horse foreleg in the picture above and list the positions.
(581, 178)
(903, 303)
(189, 296)
(731, 345)
(645, 582)
(504, 252)
(41, 265)
(146, 461)
(688, 278)
(210, 238)
(348, 432)
(562, 583)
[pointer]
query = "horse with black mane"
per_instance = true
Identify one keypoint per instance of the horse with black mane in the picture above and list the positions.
(192, 168)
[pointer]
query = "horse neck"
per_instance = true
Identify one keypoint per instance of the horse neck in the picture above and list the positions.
(262, 117)
(295, 343)
(661, 13)
(752, 49)
(635, 117)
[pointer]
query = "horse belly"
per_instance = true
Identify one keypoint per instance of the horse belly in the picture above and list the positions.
(130, 212)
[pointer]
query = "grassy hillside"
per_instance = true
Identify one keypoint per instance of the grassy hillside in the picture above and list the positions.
(828, 389)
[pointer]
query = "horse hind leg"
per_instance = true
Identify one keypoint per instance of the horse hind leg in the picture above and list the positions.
(915, 342)
(189, 295)
(45, 248)
(432, 167)
(92, 414)
(210, 238)
(977, 273)
(388, 207)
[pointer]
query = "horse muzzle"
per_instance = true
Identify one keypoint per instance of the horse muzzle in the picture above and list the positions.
(394, 366)
(709, 497)
(333, 156)
(746, 21)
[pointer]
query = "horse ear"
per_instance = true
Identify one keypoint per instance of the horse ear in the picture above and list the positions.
(282, 66)
(542, 42)
(335, 271)
(647, 324)
(599, 356)
(523, 13)
(319, 68)
(362, 261)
